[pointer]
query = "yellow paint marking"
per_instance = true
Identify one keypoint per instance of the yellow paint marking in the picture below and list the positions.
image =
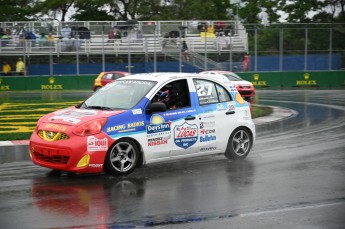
(16, 126)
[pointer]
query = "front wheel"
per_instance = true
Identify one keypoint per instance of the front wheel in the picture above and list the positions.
(122, 158)
(239, 144)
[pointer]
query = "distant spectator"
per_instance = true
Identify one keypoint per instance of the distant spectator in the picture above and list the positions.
(66, 32)
(6, 69)
(43, 40)
(29, 35)
(51, 39)
(5, 38)
(20, 67)
(21, 40)
(245, 63)
(165, 39)
(185, 51)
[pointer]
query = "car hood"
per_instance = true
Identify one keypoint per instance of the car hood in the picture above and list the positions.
(241, 82)
(74, 116)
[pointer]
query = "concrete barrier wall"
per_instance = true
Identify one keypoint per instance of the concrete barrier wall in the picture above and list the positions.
(319, 79)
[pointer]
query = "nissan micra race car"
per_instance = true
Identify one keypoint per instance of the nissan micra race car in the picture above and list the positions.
(145, 118)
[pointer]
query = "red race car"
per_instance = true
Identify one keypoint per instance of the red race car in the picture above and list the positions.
(245, 88)
(106, 77)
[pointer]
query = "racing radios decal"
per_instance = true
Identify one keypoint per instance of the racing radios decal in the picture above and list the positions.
(72, 115)
(185, 135)
(158, 132)
(128, 127)
(96, 144)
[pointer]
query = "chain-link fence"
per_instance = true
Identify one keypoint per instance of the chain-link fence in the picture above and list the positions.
(53, 48)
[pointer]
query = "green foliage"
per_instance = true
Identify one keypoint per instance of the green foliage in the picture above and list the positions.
(105, 10)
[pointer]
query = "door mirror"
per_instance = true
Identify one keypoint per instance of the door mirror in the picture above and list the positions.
(156, 107)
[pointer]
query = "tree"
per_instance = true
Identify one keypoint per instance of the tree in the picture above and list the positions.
(55, 7)
(16, 10)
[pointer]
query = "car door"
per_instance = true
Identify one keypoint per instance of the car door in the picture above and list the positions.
(173, 132)
(217, 117)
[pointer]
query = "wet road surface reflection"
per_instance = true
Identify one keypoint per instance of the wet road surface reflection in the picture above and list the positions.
(294, 177)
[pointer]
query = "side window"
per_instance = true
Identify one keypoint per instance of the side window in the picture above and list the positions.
(107, 76)
(174, 94)
(209, 92)
(116, 76)
(223, 94)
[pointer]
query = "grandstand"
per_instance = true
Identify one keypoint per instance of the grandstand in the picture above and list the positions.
(137, 37)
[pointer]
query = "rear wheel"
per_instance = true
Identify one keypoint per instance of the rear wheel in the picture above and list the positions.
(239, 144)
(122, 158)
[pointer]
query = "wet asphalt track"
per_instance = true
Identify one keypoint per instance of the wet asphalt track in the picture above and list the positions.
(293, 178)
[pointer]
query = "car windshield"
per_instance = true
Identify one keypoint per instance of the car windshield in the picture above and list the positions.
(232, 77)
(121, 94)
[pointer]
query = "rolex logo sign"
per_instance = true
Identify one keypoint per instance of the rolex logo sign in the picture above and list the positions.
(51, 85)
(4, 87)
(307, 81)
(306, 76)
(51, 80)
(258, 82)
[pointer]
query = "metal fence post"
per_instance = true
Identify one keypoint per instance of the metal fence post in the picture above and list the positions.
(256, 49)
(306, 49)
(330, 48)
(281, 40)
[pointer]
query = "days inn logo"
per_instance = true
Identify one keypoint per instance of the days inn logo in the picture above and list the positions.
(51, 85)
(306, 81)
(258, 82)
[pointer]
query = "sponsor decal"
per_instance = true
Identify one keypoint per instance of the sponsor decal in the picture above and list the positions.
(207, 138)
(207, 116)
(207, 124)
(220, 107)
(96, 144)
(140, 82)
(307, 81)
(203, 131)
(179, 112)
(137, 111)
(122, 128)
(115, 128)
(158, 131)
(55, 127)
(208, 149)
(158, 128)
(157, 141)
(95, 165)
(72, 115)
(185, 135)
(135, 124)
(231, 108)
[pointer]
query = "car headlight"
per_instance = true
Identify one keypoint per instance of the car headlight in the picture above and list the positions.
(91, 127)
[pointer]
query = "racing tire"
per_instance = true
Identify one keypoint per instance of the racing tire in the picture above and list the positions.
(239, 144)
(122, 158)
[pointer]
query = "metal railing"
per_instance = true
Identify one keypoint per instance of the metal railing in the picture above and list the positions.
(212, 44)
